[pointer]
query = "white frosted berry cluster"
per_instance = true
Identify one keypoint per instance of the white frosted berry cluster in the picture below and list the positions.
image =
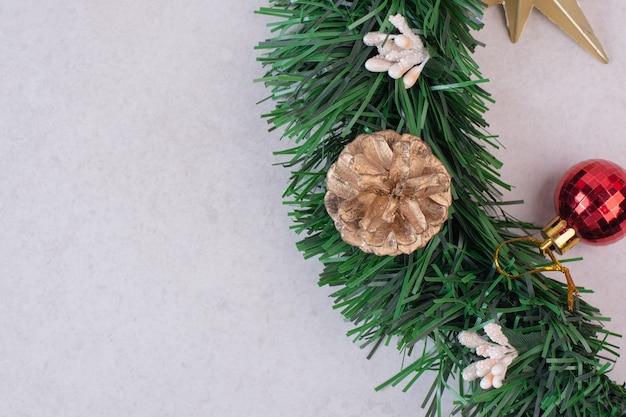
(499, 356)
(401, 55)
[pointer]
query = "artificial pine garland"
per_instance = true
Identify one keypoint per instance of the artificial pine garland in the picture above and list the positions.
(422, 301)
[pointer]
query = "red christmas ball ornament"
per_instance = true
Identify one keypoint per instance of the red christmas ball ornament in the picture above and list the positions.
(591, 204)
(591, 198)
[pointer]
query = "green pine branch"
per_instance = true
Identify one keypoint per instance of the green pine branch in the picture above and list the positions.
(323, 99)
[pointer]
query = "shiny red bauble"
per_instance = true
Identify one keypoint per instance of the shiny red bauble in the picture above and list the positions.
(591, 198)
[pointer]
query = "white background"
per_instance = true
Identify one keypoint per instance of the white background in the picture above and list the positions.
(146, 265)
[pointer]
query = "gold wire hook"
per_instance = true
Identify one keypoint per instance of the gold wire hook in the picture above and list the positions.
(572, 291)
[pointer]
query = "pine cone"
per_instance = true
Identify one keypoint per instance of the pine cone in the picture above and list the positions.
(387, 193)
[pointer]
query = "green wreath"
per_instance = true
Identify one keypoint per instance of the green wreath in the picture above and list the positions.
(434, 302)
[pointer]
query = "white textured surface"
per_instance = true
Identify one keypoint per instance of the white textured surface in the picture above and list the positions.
(146, 264)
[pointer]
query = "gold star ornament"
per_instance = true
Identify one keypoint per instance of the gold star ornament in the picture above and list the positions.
(566, 14)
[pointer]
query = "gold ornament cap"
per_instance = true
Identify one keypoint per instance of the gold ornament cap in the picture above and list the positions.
(558, 236)
(387, 193)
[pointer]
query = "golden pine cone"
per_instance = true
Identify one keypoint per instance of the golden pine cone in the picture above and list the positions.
(387, 193)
